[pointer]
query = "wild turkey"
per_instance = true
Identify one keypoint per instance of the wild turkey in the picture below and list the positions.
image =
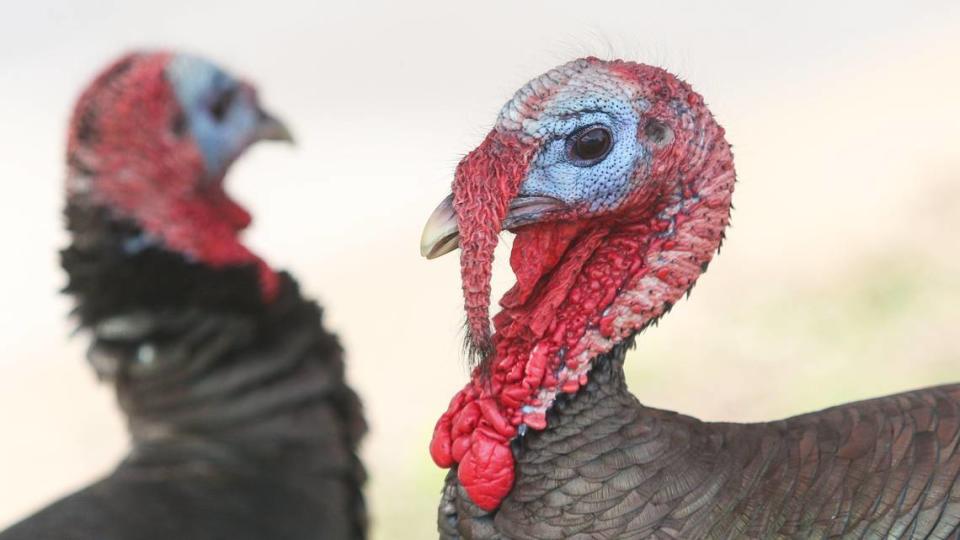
(242, 425)
(617, 182)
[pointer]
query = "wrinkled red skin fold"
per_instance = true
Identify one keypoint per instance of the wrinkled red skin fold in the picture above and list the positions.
(486, 180)
(482, 418)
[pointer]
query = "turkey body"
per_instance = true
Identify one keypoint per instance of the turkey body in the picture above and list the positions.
(242, 425)
(617, 181)
(609, 467)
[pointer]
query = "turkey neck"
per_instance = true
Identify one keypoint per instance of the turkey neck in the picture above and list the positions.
(604, 425)
(202, 366)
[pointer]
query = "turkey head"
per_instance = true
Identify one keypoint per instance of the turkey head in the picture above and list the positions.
(151, 140)
(617, 182)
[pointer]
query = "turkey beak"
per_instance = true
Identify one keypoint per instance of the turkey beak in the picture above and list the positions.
(527, 209)
(269, 128)
(441, 235)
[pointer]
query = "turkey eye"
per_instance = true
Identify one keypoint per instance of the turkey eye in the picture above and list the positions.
(590, 145)
(221, 106)
(658, 132)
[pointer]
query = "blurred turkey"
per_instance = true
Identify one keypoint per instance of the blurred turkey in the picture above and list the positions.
(242, 425)
(617, 182)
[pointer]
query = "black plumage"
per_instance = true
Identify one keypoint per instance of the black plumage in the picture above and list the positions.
(242, 425)
(609, 467)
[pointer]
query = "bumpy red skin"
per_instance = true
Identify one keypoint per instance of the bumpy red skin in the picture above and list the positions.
(123, 154)
(584, 283)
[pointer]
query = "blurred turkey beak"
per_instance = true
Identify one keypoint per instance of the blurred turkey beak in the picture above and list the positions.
(441, 234)
(269, 128)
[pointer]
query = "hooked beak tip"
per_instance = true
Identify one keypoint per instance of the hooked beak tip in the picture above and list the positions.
(441, 234)
(270, 128)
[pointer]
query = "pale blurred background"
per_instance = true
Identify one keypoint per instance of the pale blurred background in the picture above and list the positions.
(838, 281)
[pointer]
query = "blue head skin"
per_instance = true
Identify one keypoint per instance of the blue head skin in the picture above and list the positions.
(596, 182)
(221, 112)
(597, 137)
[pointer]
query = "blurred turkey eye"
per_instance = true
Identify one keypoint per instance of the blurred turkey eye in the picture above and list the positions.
(589, 145)
(221, 106)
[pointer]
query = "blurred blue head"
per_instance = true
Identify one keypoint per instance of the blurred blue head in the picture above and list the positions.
(221, 113)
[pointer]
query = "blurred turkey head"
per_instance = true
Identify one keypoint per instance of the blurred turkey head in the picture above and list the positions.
(151, 139)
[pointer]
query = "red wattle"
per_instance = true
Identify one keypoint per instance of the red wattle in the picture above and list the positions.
(440, 444)
(486, 471)
(474, 433)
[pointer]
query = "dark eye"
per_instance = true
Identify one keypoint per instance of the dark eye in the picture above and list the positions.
(658, 132)
(221, 106)
(590, 145)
